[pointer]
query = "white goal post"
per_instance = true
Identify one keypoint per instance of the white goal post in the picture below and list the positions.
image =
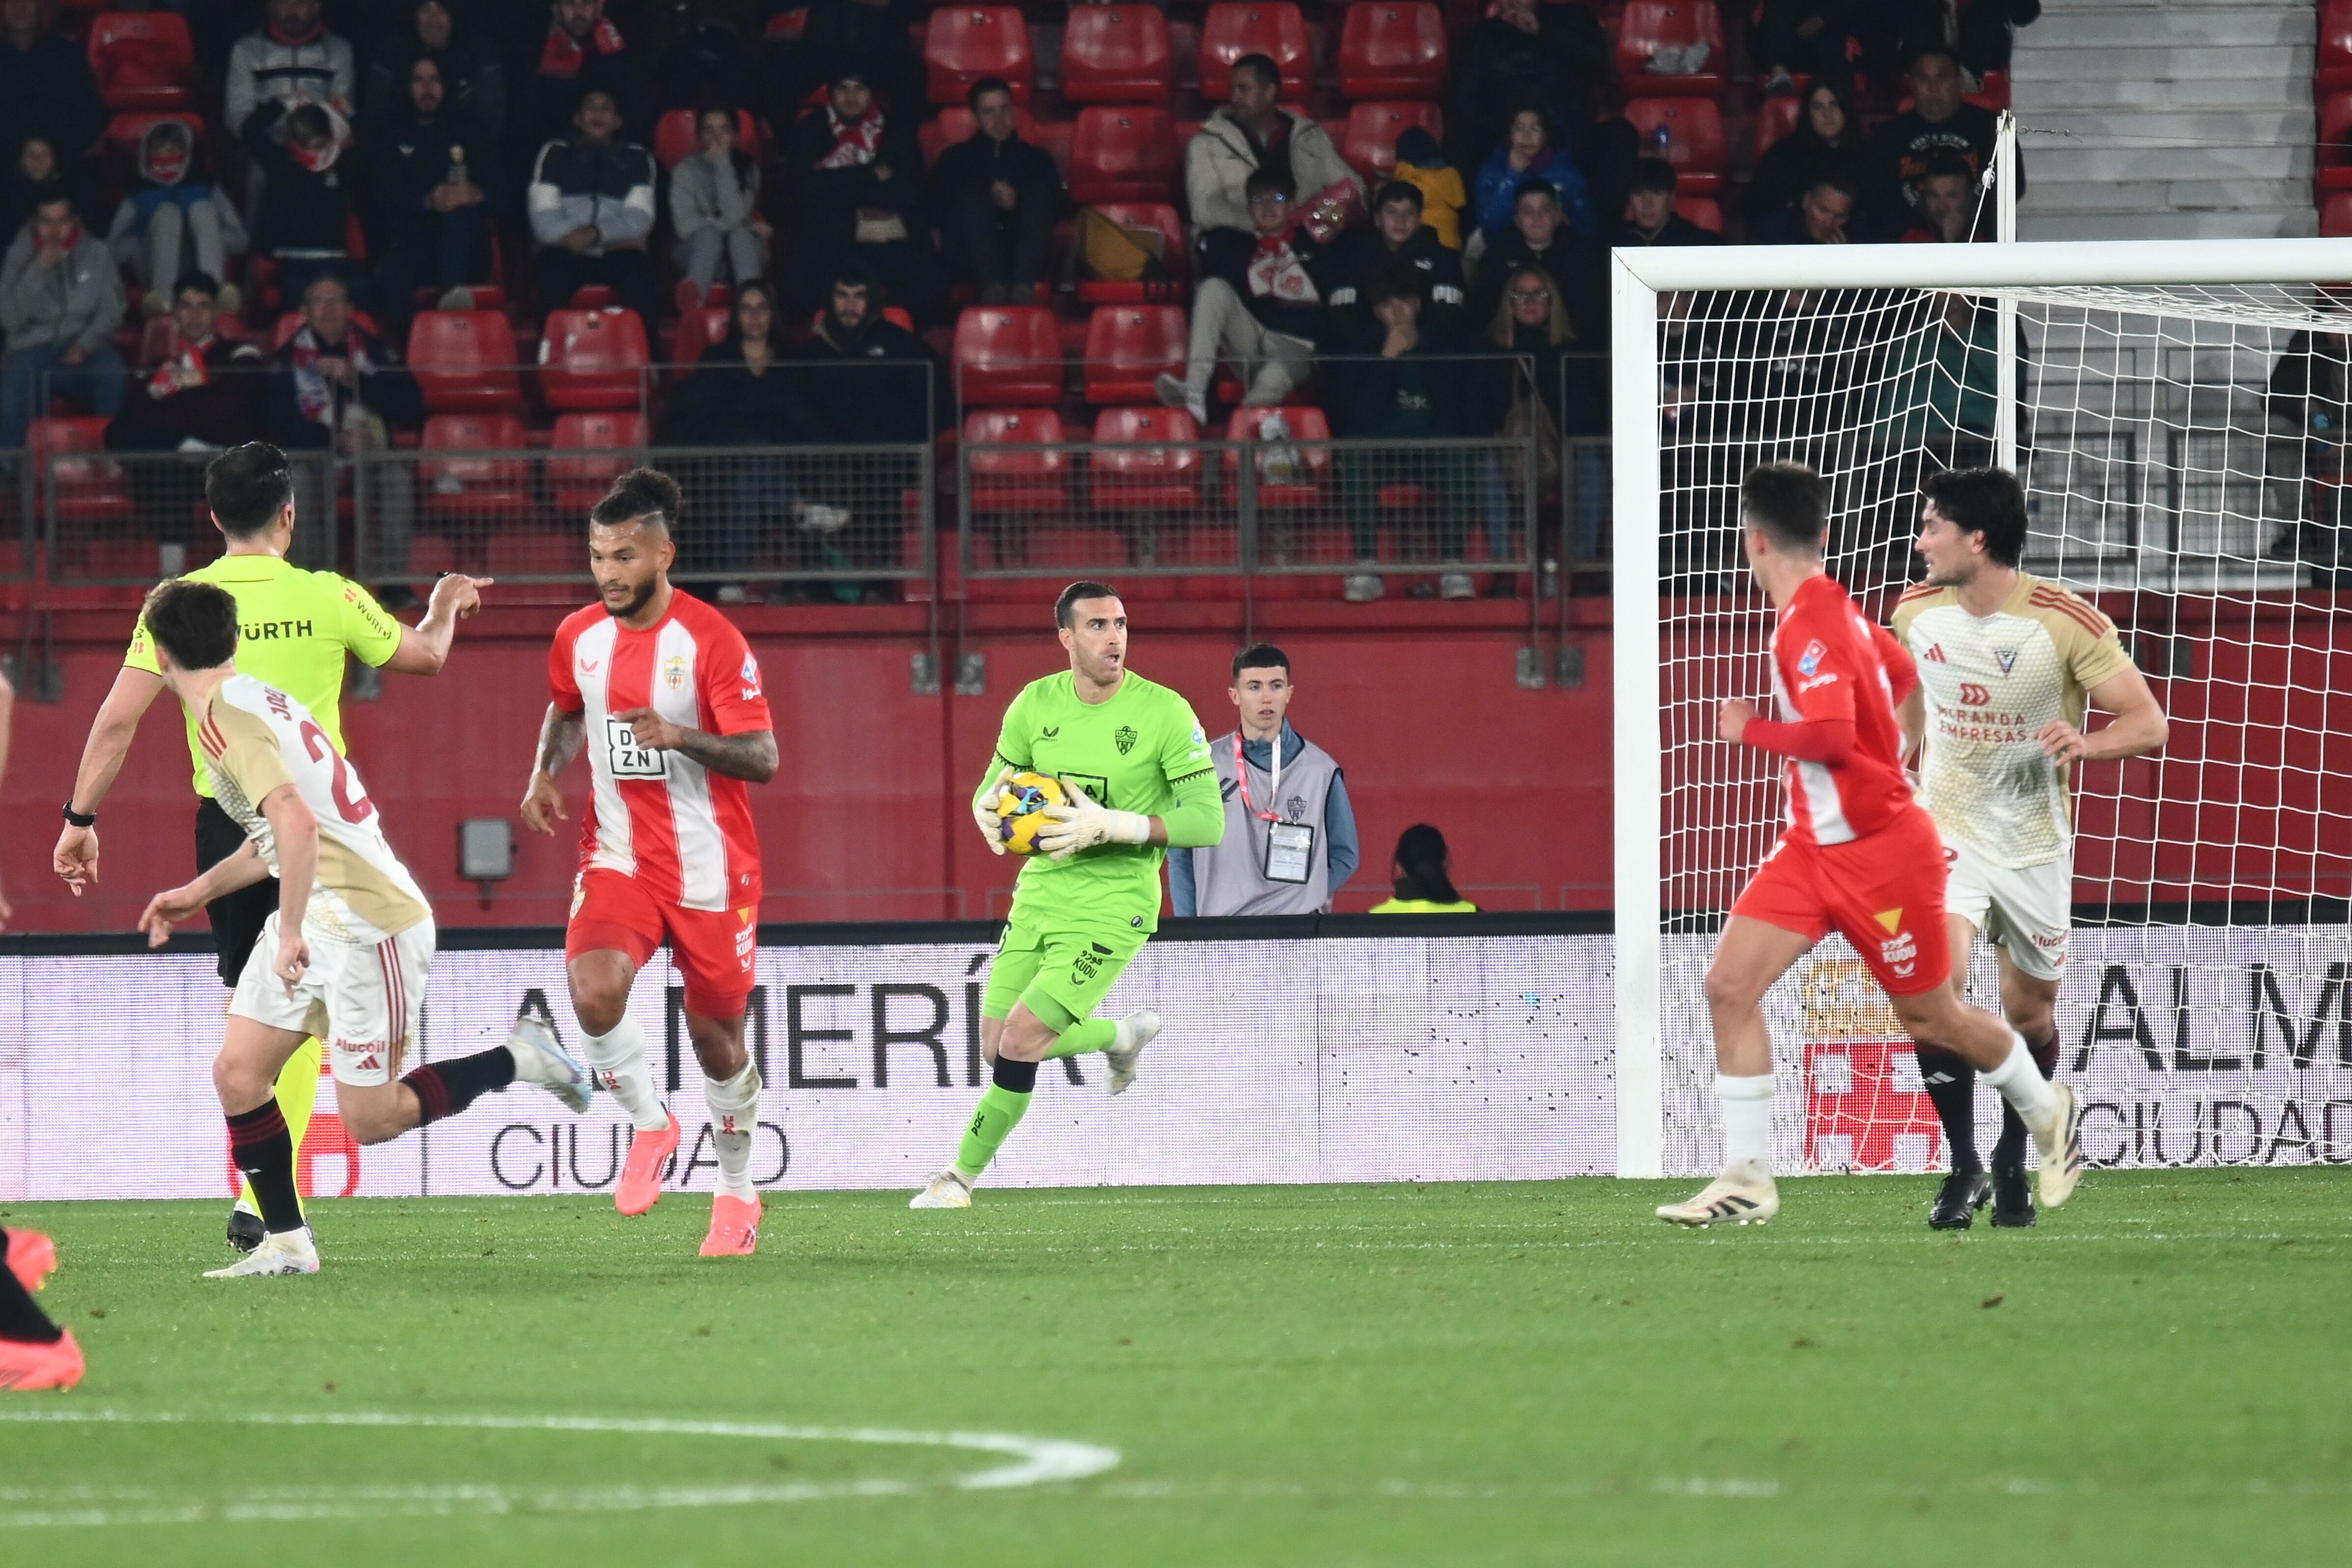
(2127, 399)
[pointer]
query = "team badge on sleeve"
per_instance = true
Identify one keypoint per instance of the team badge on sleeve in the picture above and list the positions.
(1812, 659)
(750, 675)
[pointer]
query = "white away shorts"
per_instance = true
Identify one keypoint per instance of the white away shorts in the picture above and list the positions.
(365, 1002)
(2028, 910)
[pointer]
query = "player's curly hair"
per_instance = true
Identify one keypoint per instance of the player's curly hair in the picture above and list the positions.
(641, 495)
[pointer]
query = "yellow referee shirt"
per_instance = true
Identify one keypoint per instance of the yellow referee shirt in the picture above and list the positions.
(295, 626)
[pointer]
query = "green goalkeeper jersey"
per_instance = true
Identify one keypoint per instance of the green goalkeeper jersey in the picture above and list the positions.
(1142, 750)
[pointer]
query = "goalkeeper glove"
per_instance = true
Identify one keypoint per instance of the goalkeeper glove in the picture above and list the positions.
(983, 810)
(1082, 825)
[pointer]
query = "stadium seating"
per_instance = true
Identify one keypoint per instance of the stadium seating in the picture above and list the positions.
(1173, 255)
(2335, 172)
(1017, 482)
(1695, 142)
(1308, 425)
(86, 490)
(2335, 215)
(1654, 32)
(1127, 348)
(1369, 140)
(143, 61)
(1775, 118)
(1274, 29)
(694, 332)
(594, 360)
(1393, 48)
(1008, 355)
(578, 483)
(290, 322)
(1117, 54)
(955, 124)
(467, 485)
(1124, 153)
(1704, 211)
(1144, 475)
(2335, 45)
(464, 361)
(676, 136)
(965, 43)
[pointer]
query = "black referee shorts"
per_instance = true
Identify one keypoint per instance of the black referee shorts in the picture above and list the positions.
(237, 918)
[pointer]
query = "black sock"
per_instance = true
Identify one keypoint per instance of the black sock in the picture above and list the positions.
(1952, 1086)
(2008, 1154)
(259, 1143)
(446, 1089)
(1015, 1078)
(20, 1320)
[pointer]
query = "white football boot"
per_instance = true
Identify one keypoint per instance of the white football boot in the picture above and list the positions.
(1742, 1196)
(1136, 1031)
(542, 1059)
(947, 1190)
(280, 1252)
(2060, 1148)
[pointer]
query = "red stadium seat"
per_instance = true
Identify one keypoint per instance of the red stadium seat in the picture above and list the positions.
(955, 124)
(1992, 91)
(1704, 211)
(965, 43)
(1117, 54)
(143, 61)
(1008, 355)
(677, 135)
(696, 331)
(1654, 32)
(1173, 255)
(290, 322)
(593, 359)
(579, 483)
(1017, 481)
(1694, 145)
(1775, 118)
(474, 487)
(1307, 427)
(1274, 29)
(1145, 475)
(76, 488)
(1127, 348)
(464, 361)
(1393, 48)
(2335, 215)
(2335, 142)
(1369, 142)
(1124, 153)
(2335, 45)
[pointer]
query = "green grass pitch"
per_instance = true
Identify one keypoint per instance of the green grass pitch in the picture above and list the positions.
(1400, 1374)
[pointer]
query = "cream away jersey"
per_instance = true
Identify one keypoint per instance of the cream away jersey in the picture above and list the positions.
(255, 738)
(1992, 683)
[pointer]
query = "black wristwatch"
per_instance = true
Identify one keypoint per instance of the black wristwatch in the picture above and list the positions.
(80, 818)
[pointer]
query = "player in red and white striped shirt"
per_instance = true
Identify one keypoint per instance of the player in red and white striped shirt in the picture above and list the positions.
(1859, 857)
(663, 694)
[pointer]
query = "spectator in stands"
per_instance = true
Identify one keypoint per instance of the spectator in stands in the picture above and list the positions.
(1521, 52)
(592, 211)
(1650, 216)
(430, 197)
(811, 42)
(305, 220)
(1530, 151)
(1939, 387)
(1822, 216)
(1540, 237)
(1947, 209)
(46, 87)
(1252, 132)
(1424, 881)
(1404, 387)
(714, 206)
(1422, 165)
(1982, 33)
(1262, 303)
(1939, 121)
(998, 198)
(337, 387)
(858, 196)
(2308, 404)
(204, 395)
(174, 219)
(1827, 140)
(580, 53)
(293, 59)
(1568, 394)
(704, 60)
(1395, 233)
(61, 300)
(1818, 39)
(33, 171)
(473, 82)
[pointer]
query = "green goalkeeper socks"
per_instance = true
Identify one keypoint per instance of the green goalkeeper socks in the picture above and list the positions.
(1086, 1034)
(1001, 1110)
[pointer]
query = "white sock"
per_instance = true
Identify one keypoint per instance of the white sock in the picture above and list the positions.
(1747, 1119)
(619, 1059)
(2020, 1083)
(734, 1117)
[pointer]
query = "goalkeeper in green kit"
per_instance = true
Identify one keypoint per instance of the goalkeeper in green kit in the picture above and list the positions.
(1135, 765)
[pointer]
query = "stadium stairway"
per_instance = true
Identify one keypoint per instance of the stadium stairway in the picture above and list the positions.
(2166, 119)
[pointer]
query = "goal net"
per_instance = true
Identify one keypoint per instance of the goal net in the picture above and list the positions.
(2175, 412)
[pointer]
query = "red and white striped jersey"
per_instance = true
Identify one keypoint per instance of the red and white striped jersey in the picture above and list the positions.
(1829, 663)
(661, 816)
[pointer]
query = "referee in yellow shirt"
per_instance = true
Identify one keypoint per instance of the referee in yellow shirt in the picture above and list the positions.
(297, 626)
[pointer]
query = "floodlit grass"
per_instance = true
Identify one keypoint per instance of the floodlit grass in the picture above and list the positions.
(1476, 1374)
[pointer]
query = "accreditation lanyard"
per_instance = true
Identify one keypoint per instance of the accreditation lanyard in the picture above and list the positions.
(1289, 845)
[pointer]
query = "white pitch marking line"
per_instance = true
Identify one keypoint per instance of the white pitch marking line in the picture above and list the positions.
(1036, 1461)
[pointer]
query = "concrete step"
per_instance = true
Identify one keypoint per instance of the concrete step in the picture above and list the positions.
(2230, 26)
(2215, 128)
(2089, 158)
(2283, 225)
(2278, 93)
(2165, 196)
(2090, 63)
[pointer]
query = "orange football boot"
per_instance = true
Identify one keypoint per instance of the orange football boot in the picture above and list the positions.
(32, 1258)
(734, 1227)
(640, 1185)
(28, 1366)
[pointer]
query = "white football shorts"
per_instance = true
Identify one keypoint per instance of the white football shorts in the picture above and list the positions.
(2027, 910)
(365, 1002)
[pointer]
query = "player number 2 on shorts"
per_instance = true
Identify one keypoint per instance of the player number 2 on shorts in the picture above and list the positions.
(631, 761)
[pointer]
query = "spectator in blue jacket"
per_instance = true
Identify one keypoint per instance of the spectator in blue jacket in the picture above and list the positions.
(1530, 150)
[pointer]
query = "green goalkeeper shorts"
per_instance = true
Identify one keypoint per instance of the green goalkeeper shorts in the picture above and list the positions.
(1069, 972)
